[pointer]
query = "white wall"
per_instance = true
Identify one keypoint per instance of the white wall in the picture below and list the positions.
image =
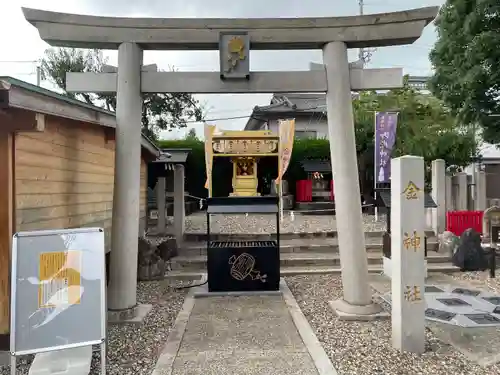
(306, 124)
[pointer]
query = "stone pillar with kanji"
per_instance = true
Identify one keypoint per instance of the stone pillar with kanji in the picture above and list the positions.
(407, 251)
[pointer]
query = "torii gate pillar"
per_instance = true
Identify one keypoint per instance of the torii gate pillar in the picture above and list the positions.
(126, 205)
(357, 301)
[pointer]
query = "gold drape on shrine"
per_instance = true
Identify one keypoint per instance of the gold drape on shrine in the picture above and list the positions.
(209, 153)
(286, 130)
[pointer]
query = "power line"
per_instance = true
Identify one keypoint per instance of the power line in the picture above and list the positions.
(220, 119)
(20, 74)
(18, 62)
(246, 116)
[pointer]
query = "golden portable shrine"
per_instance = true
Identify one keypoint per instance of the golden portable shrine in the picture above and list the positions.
(244, 148)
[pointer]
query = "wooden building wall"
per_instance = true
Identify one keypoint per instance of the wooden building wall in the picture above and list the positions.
(6, 231)
(64, 177)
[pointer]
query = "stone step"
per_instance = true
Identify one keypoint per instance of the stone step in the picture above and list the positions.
(318, 245)
(202, 236)
(321, 193)
(199, 262)
(315, 205)
(189, 208)
(293, 271)
(445, 267)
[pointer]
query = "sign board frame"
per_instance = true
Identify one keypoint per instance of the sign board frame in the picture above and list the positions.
(96, 283)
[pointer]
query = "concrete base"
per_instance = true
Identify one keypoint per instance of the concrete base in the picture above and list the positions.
(202, 291)
(387, 267)
(346, 311)
(74, 361)
(4, 358)
(135, 315)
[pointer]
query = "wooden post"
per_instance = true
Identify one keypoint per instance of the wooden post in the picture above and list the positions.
(6, 231)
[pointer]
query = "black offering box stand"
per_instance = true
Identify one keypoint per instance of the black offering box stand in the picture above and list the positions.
(384, 200)
(236, 265)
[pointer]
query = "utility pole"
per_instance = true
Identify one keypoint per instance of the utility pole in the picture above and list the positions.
(361, 55)
(38, 75)
(364, 53)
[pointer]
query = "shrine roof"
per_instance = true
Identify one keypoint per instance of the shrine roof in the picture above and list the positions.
(286, 104)
(321, 166)
(173, 155)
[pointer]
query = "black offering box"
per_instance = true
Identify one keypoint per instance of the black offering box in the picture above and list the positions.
(238, 265)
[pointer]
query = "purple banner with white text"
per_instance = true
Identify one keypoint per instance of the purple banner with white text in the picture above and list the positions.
(385, 138)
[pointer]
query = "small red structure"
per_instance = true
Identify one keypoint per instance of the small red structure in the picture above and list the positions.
(458, 221)
(303, 191)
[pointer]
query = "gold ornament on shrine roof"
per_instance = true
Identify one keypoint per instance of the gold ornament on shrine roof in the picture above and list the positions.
(236, 49)
(245, 146)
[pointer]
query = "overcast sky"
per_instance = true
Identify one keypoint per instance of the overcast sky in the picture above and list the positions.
(21, 42)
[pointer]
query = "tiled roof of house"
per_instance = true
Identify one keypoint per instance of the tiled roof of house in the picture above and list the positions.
(295, 104)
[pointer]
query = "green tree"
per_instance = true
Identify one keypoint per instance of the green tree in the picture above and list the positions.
(426, 127)
(466, 60)
(159, 111)
(191, 135)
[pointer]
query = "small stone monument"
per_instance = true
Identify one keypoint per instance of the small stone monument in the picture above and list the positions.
(407, 254)
(491, 224)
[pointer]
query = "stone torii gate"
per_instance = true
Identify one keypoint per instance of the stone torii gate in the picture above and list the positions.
(234, 38)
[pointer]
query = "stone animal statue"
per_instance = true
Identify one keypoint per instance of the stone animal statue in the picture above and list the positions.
(469, 255)
(448, 243)
(154, 257)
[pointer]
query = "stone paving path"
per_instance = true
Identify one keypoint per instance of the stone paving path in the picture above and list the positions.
(246, 335)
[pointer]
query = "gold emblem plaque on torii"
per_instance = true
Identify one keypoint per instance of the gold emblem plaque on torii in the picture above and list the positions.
(234, 50)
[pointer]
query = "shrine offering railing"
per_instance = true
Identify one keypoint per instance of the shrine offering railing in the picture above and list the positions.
(458, 221)
(303, 191)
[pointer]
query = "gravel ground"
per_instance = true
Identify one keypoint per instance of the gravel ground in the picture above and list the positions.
(196, 223)
(357, 348)
(480, 279)
(134, 349)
